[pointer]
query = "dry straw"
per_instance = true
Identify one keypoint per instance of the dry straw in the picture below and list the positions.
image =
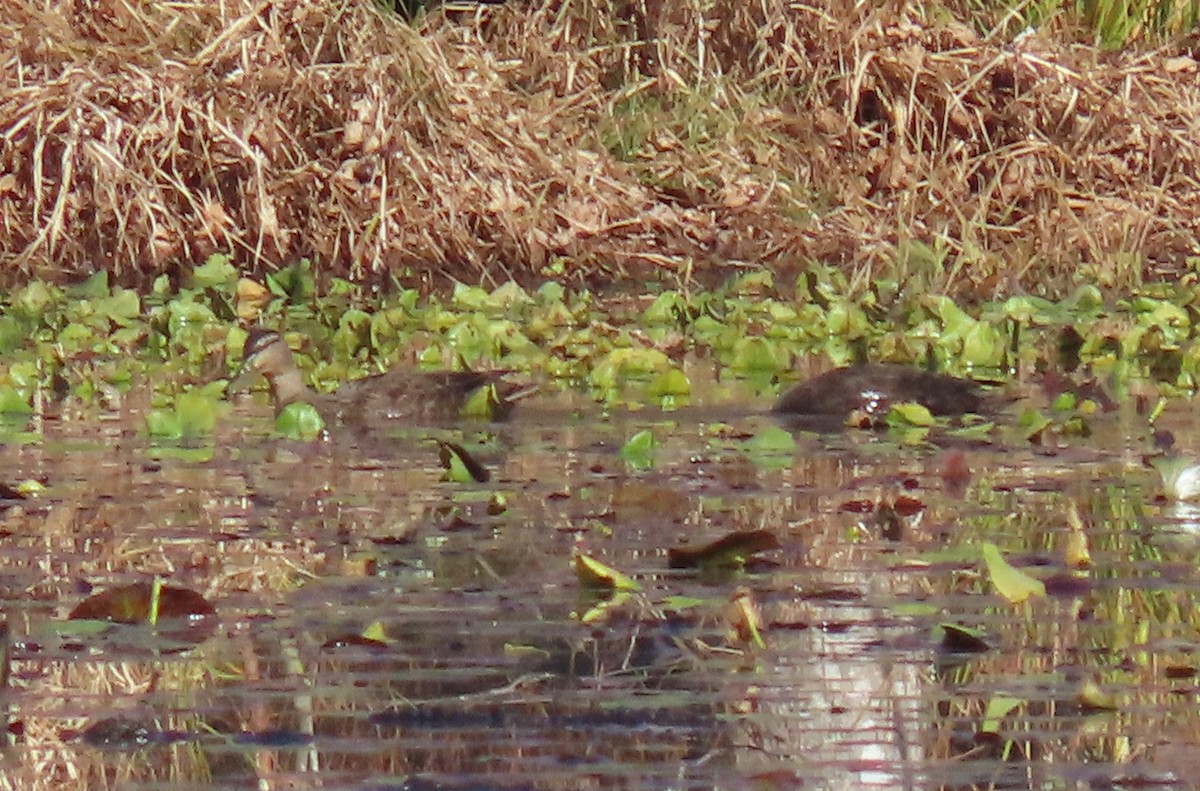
(602, 140)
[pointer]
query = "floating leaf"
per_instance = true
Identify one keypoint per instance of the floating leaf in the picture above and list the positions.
(638, 451)
(483, 404)
(601, 610)
(300, 421)
(13, 403)
(960, 639)
(294, 282)
(595, 574)
(518, 651)
(1091, 696)
(1076, 553)
(757, 355)
(1014, 585)
(998, 707)
(681, 603)
(745, 619)
(909, 414)
(215, 272)
(461, 466)
(772, 448)
(772, 439)
(163, 423)
(197, 414)
(672, 382)
(731, 550)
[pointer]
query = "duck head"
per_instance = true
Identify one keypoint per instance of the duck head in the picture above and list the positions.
(266, 354)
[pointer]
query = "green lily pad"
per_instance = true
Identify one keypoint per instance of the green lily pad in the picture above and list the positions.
(300, 421)
(638, 451)
(215, 272)
(13, 402)
(998, 707)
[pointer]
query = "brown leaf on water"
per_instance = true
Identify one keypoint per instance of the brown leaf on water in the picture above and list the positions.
(729, 550)
(131, 604)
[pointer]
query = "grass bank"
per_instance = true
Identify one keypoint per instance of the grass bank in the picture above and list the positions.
(593, 143)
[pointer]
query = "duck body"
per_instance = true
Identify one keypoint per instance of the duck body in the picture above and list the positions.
(395, 395)
(873, 387)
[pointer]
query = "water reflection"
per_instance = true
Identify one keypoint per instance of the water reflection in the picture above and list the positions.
(381, 628)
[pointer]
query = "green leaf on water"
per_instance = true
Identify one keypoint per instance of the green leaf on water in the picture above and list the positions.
(374, 631)
(638, 451)
(1014, 585)
(772, 439)
(998, 707)
(982, 345)
(299, 421)
(163, 424)
(1093, 698)
(756, 355)
(909, 414)
(294, 282)
(595, 574)
(13, 403)
(197, 414)
(682, 603)
(216, 272)
(672, 382)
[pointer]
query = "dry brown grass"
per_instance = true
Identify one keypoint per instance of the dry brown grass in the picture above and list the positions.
(616, 140)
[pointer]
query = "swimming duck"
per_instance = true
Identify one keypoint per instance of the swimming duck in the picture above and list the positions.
(871, 388)
(398, 394)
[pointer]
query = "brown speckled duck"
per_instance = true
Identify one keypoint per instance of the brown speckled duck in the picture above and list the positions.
(870, 388)
(395, 395)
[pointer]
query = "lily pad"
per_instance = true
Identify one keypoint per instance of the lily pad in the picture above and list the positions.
(300, 421)
(638, 450)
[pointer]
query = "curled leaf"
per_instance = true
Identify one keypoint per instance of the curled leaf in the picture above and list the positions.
(595, 574)
(1014, 585)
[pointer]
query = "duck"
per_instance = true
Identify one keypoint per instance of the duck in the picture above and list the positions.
(395, 395)
(869, 389)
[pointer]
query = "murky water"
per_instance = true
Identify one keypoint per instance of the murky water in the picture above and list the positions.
(484, 675)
